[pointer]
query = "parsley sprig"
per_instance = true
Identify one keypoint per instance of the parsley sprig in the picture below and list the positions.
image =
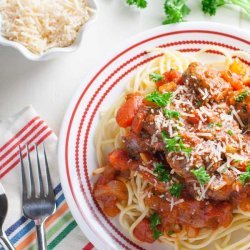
(175, 189)
(240, 97)
(159, 99)
(245, 176)
(175, 10)
(201, 175)
(155, 77)
(171, 114)
(155, 220)
(211, 6)
(175, 144)
(161, 172)
(138, 3)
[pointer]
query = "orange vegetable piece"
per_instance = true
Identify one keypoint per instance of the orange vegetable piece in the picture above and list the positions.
(167, 87)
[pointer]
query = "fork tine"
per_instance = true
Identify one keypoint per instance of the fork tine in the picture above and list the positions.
(23, 175)
(32, 183)
(40, 178)
(50, 187)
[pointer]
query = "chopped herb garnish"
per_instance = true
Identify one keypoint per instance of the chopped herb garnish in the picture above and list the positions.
(155, 220)
(175, 144)
(171, 232)
(159, 99)
(236, 161)
(175, 189)
(156, 77)
(240, 97)
(198, 103)
(210, 125)
(171, 114)
(245, 176)
(244, 109)
(230, 132)
(187, 151)
(161, 172)
(201, 175)
(219, 124)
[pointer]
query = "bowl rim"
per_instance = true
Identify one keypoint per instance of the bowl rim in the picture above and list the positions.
(55, 50)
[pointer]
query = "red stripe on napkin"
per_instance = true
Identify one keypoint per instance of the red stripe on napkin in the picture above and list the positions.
(19, 133)
(89, 246)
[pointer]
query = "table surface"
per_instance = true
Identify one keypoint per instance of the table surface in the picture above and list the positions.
(49, 86)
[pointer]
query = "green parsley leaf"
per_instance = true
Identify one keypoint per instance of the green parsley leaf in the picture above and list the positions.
(171, 114)
(236, 161)
(175, 189)
(161, 172)
(156, 77)
(201, 175)
(230, 132)
(210, 125)
(211, 6)
(175, 11)
(245, 176)
(171, 232)
(187, 151)
(159, 99)
(155, 220)
(198, 103)
(138, 3)
(175, 144)
(219, 124)
(240, 97)
(244, 109)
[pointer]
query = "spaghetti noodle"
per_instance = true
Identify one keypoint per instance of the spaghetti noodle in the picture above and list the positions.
(180, 151)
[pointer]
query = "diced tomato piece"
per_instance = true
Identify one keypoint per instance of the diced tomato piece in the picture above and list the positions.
(111, 193)
(247, 82)
(128, 110)
(114, 188)
(233, 79)
(194, 119)
(143, 231)
(170, 76)
(192, 231)
(138, 119)
(119, 159)
(245, 204)
(167, 87)
(110, 208)
(107, 176)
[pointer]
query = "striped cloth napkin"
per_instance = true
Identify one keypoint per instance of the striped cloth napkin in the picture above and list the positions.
(27, 127)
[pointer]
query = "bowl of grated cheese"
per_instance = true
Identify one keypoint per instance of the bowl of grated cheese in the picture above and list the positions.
(44, 29)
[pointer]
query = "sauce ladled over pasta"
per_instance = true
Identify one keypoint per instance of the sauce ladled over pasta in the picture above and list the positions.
(186, 150)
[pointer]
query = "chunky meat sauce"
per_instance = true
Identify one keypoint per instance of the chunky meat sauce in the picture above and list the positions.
(194, 151)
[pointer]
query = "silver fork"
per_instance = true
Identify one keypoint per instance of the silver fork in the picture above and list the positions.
(38, 205)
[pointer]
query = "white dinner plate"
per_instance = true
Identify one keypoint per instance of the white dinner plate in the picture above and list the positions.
(99, 90)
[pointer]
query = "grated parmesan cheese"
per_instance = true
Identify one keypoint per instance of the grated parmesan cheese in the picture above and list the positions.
(43, 24)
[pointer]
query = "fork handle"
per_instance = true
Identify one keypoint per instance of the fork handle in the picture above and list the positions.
(6, 242)
(41, 237)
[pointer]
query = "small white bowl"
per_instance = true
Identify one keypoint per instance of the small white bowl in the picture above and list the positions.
(56, 51)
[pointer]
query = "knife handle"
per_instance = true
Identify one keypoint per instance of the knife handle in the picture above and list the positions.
(7, 244)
